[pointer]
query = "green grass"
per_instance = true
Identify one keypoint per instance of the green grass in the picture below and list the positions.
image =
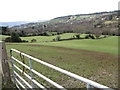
(2, 37)
(85, 16)
(97, 66)
(43, 38)
(109, 22)
(101, 68)
(49, 38)
(108, 45)
(103, 45)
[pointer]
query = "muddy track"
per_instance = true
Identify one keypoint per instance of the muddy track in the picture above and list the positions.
(98, 55)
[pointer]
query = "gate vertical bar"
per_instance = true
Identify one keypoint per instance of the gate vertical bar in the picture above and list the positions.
(31, 73)
(89, 87)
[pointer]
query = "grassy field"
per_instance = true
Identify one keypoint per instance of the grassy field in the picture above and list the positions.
(44, 38)
(99, 67)
(50, 38)
(93, 59)
(2, 37)
(108, 45)
(47, 38)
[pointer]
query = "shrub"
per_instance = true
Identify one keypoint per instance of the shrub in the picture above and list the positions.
(97, 36)
(105, 36)
(54, 39)
(15, 37)
(73, 36)
(33, 40)
(89, 36)
(24, 41)
(8, 39)
(77, 36)
(58, 38)
(53, 34)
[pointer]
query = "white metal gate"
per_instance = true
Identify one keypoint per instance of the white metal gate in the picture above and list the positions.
(89, 83)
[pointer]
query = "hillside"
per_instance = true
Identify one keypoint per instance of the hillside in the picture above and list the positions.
(105, 23)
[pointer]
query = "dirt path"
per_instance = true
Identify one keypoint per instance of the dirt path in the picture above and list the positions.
(98, 55)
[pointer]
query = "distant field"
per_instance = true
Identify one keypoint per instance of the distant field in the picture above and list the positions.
(2, 37)
(108, 45)
(50, 38)
(44, 38)
(109, 22)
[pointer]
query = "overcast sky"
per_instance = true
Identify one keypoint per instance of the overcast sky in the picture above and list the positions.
(33, 10)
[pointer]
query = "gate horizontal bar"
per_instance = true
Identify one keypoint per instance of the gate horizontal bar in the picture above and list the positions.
(90, 82)
(20, 83)
(22, 79)
(39, 85)
(40, 75)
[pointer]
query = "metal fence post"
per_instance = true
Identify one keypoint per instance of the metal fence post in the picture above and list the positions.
(31, 73)
(89, 87)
